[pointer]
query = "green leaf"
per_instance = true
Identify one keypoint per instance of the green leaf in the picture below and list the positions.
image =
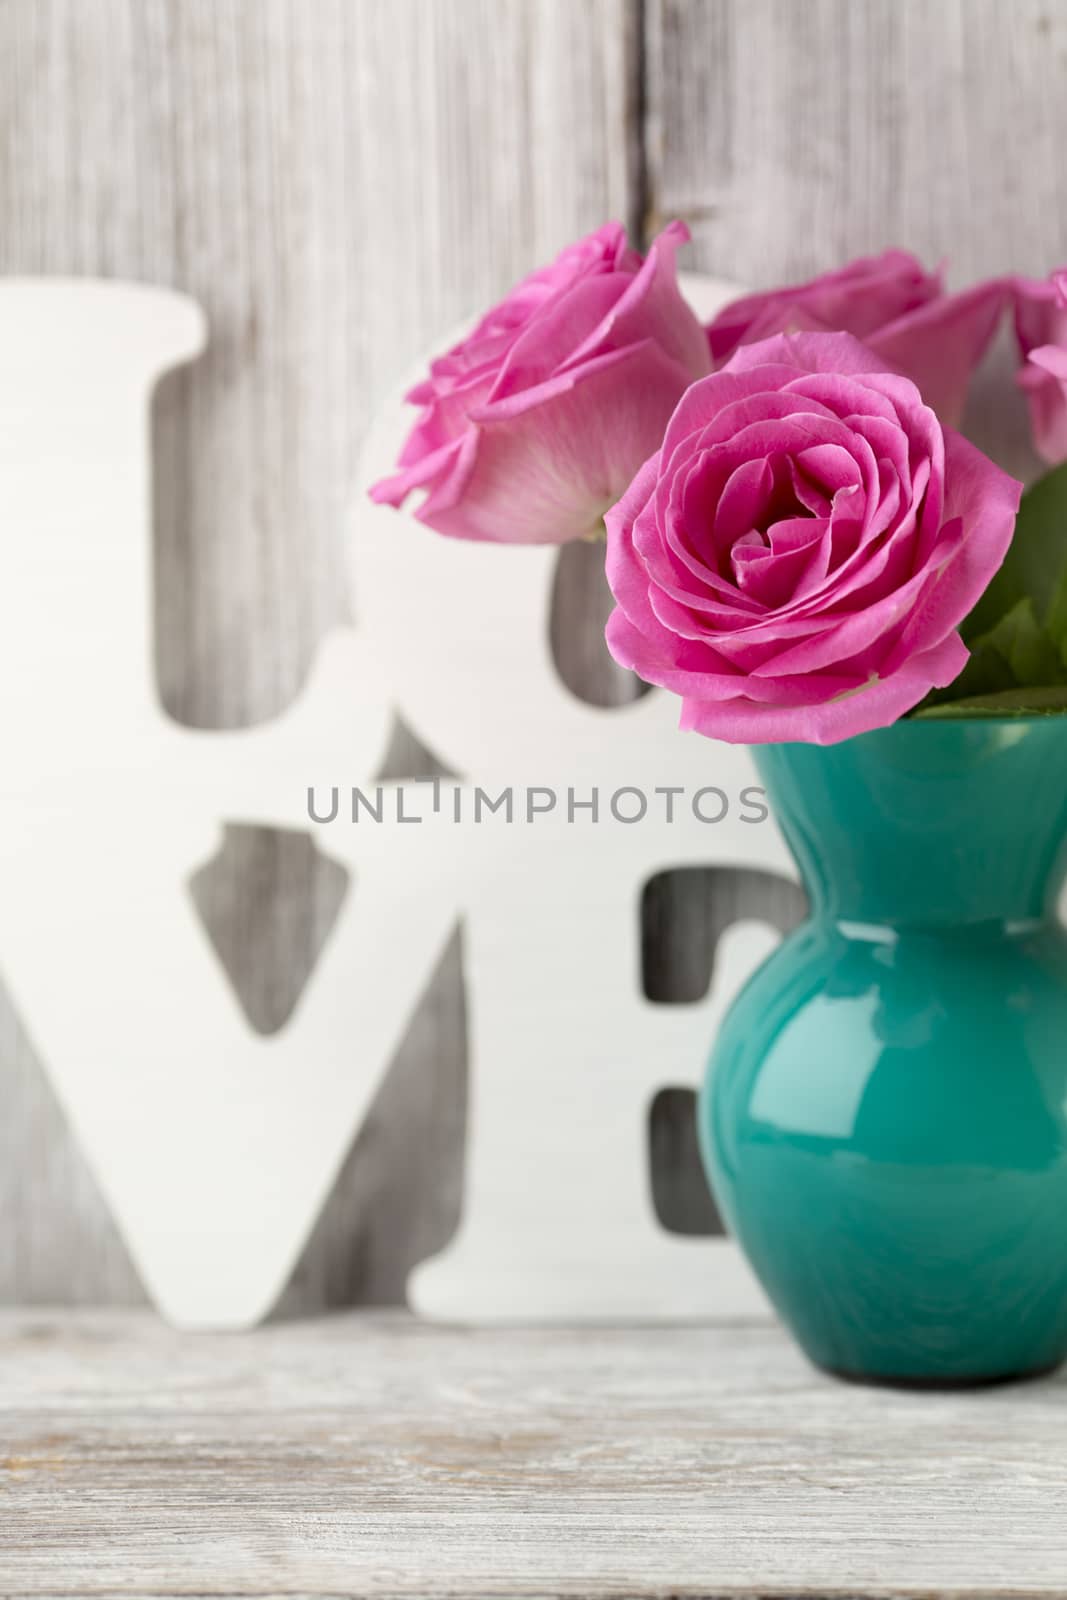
(1017, 633)
(1039, 702)
(1025, 646)
(1015, 654)
(1035, 566)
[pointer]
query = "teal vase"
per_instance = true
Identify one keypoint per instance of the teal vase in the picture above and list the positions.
(884, 1120)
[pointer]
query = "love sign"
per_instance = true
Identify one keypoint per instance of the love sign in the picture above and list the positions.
(216, 1148)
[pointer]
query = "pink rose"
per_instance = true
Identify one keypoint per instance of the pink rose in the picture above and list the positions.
(795, 560)
(1041, 329)
(895, 307)
(534, 424)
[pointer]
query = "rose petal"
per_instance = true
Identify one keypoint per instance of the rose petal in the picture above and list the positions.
(652, 307)
(858, 298)
(858, 610)
(877, 703)
(546, 471)
(939, 345)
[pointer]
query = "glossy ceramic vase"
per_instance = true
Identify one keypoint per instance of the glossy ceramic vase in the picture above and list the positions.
(885, 1116)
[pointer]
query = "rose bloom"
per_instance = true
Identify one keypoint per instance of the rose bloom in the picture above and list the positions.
(534, 424)
(898, 310)
(1041, 329)
(795, 559)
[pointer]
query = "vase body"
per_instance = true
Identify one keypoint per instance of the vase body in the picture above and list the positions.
(884, 1119)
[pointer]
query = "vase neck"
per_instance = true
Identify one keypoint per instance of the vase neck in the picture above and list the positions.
(923, 823)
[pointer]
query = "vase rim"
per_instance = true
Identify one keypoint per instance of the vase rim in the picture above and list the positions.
(931, 725)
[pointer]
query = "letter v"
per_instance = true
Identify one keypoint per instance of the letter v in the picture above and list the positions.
(215, 1148)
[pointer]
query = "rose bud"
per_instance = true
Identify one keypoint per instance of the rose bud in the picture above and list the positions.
(1041, 330)
(533, 425)
(895, 307)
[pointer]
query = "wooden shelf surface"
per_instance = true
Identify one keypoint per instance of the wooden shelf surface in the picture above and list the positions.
(370, 1454)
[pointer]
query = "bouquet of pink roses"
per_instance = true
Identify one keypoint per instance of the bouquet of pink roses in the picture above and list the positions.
(800, 543)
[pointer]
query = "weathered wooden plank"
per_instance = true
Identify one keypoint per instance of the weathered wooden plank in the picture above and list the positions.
(371, 1455)
(792, 137)
(336, 183)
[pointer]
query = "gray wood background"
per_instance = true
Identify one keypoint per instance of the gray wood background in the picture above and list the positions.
(338, 181)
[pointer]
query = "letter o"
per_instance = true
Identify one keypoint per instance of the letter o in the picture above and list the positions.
(696, 805)
(615, 804)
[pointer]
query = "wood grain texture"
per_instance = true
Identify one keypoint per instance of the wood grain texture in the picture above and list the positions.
(794, 136)
(370, 1455)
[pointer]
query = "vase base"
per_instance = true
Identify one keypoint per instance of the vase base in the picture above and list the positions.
(877, 1380)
